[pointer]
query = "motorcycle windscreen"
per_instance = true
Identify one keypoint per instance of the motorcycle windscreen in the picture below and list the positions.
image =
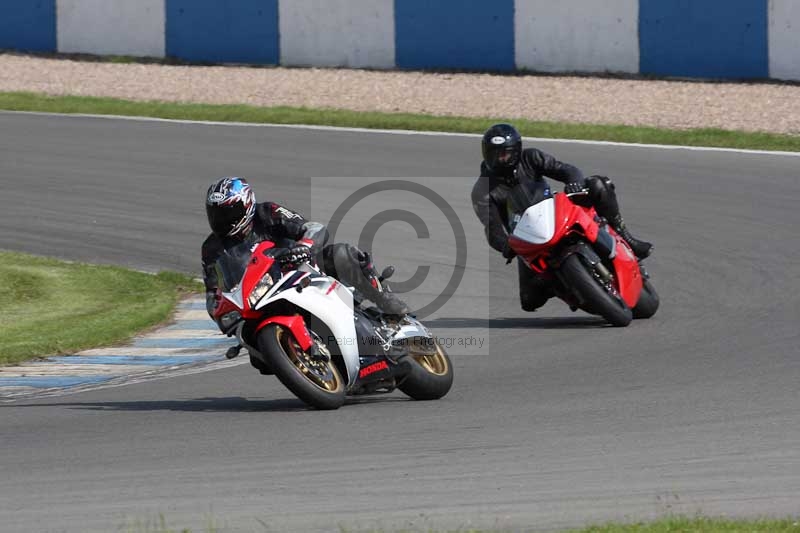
(231, 265)
(538, 223)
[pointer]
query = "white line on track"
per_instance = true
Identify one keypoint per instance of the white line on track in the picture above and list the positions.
(400, 132)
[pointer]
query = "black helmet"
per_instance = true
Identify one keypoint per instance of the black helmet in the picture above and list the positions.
(502, 147)
(230, 206)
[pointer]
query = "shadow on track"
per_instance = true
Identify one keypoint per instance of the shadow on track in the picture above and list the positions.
(229, 404)
(578, 322)
(233, 403)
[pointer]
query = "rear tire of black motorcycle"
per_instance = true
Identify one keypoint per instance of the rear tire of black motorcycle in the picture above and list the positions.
(596, 299)
(292, 378)
(423, 384)
(648, 302)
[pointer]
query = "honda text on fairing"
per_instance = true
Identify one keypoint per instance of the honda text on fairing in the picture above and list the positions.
(592, 267)
(311, 331)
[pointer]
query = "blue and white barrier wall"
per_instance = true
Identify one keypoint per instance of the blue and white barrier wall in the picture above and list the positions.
(687, 38)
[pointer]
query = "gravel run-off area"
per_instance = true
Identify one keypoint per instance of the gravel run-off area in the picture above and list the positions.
(766, 107)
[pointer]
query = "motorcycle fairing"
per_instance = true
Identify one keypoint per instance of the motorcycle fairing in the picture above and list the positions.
(628, 273)
(332, 303)
(234, 296)
(296, 325)
(528, 240)
(606, 244)
(553, 218)
(537, 224)
(258, 265)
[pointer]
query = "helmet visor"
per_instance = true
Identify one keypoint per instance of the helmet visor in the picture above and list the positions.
(506, 156)
(223, 218)
(503, 157)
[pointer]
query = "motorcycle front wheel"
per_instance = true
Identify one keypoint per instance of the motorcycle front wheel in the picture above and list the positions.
(317, 382)
(431, 374)
(593, 296)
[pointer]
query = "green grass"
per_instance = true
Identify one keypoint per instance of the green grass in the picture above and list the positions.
(699, 525)
(52, 307)
(333, 117)
(159, 525)
(665, 525)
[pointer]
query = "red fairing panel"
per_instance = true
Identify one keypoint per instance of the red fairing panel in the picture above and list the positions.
(629, 276)
(223, 306)
(572, 214)
(259, 265)
(295, 324)
(567, 215)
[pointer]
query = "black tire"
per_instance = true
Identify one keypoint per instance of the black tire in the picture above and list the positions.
(648, 302)
(318, 384)
(431, 374)
(594, 297)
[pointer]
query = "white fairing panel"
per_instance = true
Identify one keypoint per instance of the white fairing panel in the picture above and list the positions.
(538, 223)
(335, 308)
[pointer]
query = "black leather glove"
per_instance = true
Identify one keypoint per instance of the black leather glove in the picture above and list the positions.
(575, 187)
(295, 255)
(508, 253)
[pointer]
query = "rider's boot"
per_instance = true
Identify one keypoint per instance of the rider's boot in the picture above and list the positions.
(376, 291)
(604, 198)
(640, 248)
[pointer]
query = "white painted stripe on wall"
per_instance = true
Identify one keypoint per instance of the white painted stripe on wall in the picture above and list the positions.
(577, 35)
(784, 39)
(333, 33)
(115, 27)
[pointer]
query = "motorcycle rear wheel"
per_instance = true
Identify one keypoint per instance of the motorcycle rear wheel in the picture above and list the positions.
(318, 383)
(431, 374)
(648, 302)
(594, 297)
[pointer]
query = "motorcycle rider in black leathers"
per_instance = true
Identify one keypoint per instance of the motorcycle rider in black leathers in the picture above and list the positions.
(506, 171)
(234, 216)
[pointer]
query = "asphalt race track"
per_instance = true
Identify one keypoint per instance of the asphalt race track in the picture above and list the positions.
(553, 420)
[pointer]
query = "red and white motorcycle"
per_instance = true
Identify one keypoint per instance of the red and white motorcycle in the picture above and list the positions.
(307, 329)
(591, 266)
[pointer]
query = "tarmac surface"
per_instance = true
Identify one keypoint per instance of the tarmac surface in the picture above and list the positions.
(553, 421)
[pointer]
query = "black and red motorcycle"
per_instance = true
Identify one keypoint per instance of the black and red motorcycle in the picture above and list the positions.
(590, 265)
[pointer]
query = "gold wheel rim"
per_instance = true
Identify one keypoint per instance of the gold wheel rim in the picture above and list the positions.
(435, 363)
(323, 375)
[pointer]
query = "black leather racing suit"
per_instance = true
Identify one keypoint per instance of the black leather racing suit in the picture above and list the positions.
(492, 200)
(275, 223)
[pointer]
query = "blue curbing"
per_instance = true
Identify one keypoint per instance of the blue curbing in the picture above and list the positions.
(51, 382)
(143, 360)
(160, 342)
(192, 325)
(146, 356)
